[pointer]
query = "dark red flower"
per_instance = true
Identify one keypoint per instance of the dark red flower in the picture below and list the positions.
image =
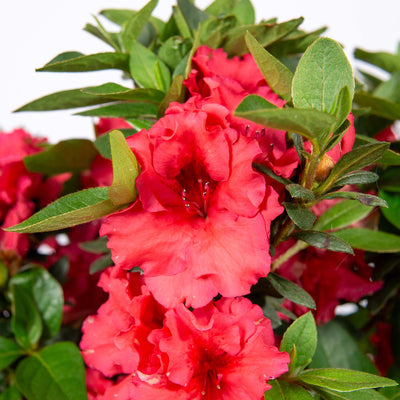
(382, 340)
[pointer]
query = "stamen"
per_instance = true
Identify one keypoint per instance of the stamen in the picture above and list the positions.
(246, 130)
(262, 132)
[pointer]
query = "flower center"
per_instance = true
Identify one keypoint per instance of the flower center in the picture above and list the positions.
(198, 204)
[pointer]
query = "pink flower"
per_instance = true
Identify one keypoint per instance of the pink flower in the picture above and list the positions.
(329, 277)
(201, 226)
(226, 81)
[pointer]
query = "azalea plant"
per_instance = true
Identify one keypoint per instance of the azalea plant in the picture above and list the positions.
(241, 189)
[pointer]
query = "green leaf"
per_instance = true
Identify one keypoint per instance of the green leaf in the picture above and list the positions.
(386, 61)
(11, 393)
(9, 352)
(47, 294)
(300, 192)
(26, 323)
(358, 177)
(323, 240)
(56, 372)
(102, 143)
(92, 62)
(389, 157)
(302, 217)
(122, 110)
(125, 170)
(370, 240)
(302, 333)
(70, 210)
(115, 91)
(147, 69)
(367, 394)
(392, 213)
(192, 15)
(333, 336)
(291, 291)
(366, 199)
(378, 106)
(64, 100)
(97, 246)
(68, 55)
(342, 109)
(308, 123)
(271, 174)
(135, 24)
(100, 264)
(111, 38)
(320, 77)
(341, 215)
(343, 380)
(282, 390)
(173, 50)
(218, 7)
(390, 89)
(73, 155)
(357, 158)
(244, 12)
(180, 23)
(175, 93)
(277, 75)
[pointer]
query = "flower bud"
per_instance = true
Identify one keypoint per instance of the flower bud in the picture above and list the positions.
(324, 168)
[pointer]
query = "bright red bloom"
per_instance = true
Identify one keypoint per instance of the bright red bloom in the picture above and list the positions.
(96, 384)
(201, 226)
(218, 79)
(329, 277)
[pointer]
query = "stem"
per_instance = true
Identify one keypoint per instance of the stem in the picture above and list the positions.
(300, 245)
(283, 232)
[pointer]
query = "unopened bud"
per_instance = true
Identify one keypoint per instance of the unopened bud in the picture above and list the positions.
(324, 168)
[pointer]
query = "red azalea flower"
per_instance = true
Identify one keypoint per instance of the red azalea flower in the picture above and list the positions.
(201, 226)
(96, 384)
(328, 277)
(218, 79)
(382, 340)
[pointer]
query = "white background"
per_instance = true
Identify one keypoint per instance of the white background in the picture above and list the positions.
(32, 32)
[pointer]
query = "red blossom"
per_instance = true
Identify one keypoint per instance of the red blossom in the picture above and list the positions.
(382, 340)
(202, 207)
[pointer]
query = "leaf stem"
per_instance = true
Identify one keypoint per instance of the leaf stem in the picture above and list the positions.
(300, 245)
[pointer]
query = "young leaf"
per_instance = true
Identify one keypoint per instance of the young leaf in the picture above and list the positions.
(282, 390)
(56, 372)
(136, 23)
(386, 61)
(323, 240)
(302, 217)
(9, 352)
(320, 76)
(302, 334)
(341, 215)
(392, 213)
(308, 123)
(26, 323)
(192, 15)
(47, 295)
(300, 192)
(370, 240)
(277, 75)
(70, 210)
(343, 380)
(73, 155)
(291, 291)
(366, 199)
(85, 63)
(147, 69)
(122, 110)
(125, 170)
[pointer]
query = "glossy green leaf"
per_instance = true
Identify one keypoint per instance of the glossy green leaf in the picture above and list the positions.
(9, 352)
(11, 393)
(366, 394)
(282, 390)
(102, 143)
(341, 215)
(291, 291)
(389, 157)
(135, 24)
(73, 155)
(265, 34)
(343, 380)
(366, 199)
(26, 322)
(125, 170)
(370, 240)
(47, 294)
(302, 217)
(302, 333)
(70, 210)
(92, 62)
(392, 213)
(192, 15)
(63, 100)
(386, 61)
(122, 110)
(277, 75)
(378, 106)
(55, 372)
(320, 77)
(175, 93)
(147, 69)
(355, 159)
(300, 192)
(308, 123)
(67, 55)
(115, 91)
(323, 240)
(333, 336)
(358, 177)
